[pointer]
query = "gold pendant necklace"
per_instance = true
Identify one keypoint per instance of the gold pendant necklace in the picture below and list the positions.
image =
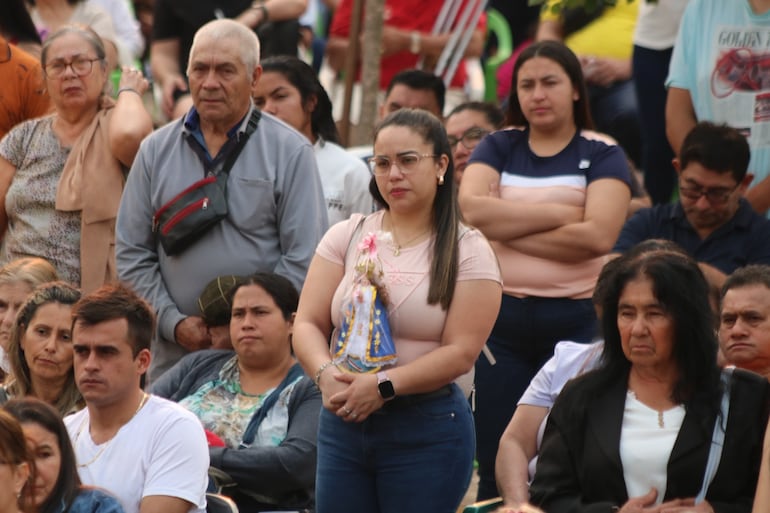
(397, 247)
(145, 396)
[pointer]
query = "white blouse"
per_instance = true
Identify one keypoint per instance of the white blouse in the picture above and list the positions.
(646, 440)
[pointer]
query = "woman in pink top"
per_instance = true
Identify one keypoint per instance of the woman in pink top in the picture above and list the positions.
(395, 434)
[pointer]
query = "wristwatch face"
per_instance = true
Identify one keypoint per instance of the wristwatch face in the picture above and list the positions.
(386, 389)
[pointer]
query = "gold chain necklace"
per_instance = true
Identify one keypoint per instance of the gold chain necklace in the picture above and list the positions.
(661, 422)
(397, 247)
(106, 444)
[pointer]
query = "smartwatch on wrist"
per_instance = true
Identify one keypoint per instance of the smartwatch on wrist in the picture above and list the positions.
(385, 386)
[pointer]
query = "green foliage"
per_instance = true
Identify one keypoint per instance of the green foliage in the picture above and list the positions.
(589, 5)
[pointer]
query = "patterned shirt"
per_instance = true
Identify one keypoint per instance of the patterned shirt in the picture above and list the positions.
(225, 409)
(35, 227)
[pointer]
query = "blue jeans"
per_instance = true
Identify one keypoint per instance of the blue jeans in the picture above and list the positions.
(616, 112)
(414, 459)
(525, 333)
(650, 70)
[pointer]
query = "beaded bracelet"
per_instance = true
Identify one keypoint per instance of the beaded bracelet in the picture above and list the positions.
(320, 370)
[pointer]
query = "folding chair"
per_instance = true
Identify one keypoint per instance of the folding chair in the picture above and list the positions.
(497, 25)
(460, 24)
(218, 503)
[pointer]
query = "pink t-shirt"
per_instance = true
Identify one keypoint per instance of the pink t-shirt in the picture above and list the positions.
(415, 325)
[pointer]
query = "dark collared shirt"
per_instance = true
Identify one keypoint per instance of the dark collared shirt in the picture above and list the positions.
(192, 125)
(743, 240)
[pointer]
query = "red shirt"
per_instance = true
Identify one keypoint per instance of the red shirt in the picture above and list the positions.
(405, 15)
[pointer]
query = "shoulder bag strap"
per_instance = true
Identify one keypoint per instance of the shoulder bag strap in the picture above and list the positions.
(356, 233)
(259, 415)
(251, 127)
(718, 438)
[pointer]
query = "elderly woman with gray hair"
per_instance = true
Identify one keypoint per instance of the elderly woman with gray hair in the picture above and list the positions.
(62, 175)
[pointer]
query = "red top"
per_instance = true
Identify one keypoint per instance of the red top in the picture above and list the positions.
(406, 15)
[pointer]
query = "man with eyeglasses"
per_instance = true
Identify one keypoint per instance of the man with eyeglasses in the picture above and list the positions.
(712, 221)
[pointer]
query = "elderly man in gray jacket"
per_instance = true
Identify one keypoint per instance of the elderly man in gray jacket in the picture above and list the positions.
(276, 209)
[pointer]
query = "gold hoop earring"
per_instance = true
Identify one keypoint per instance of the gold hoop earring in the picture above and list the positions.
(441, 179)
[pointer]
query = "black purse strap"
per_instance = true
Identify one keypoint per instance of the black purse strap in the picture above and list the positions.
(251, 127)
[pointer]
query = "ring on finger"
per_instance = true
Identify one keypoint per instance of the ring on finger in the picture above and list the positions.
(347, 410)
(354, 415)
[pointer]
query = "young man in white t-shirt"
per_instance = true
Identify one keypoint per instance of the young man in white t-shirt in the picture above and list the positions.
(148, 452)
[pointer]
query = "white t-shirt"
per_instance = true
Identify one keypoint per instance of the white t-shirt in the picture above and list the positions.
(658, 23)
(162, 450)
(84, 13)
(129, 35)
(645, 446)
(569, 360)
(345, 180)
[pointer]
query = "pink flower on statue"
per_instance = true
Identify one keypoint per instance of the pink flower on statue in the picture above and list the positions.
(368, 245)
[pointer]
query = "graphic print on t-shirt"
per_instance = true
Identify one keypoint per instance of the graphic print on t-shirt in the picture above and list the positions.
(740, 80)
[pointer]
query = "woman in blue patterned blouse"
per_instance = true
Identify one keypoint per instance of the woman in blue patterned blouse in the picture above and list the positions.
(259, 408)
